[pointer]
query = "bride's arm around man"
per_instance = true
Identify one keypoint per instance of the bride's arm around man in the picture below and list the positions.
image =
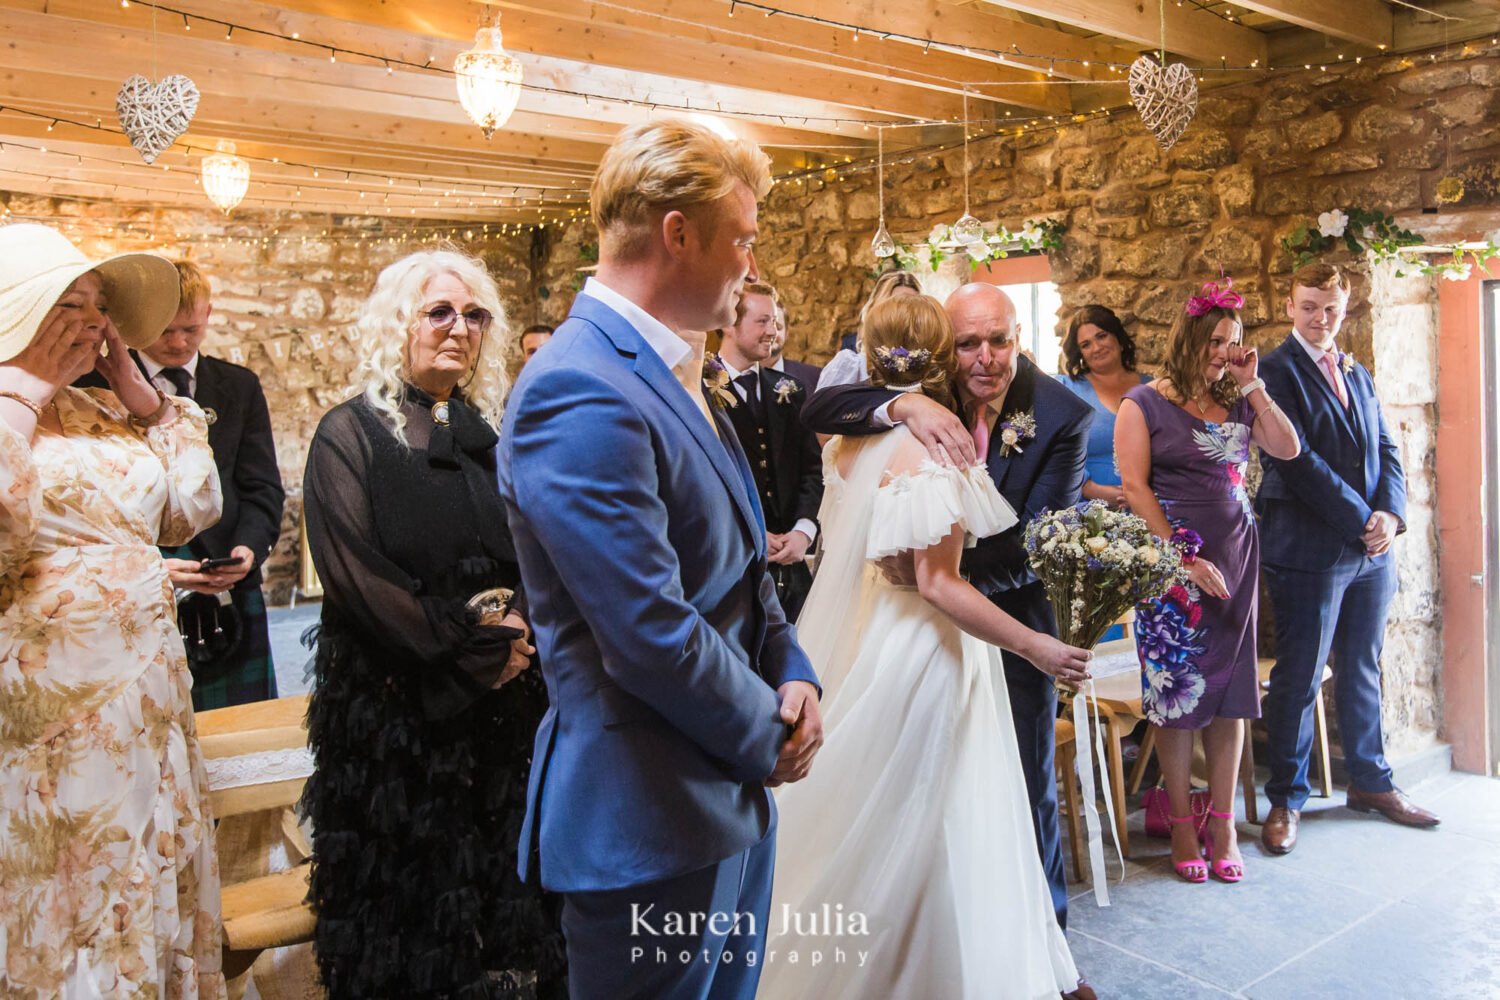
(677, 687)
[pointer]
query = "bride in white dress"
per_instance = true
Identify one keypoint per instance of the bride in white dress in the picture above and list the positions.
(906, 864)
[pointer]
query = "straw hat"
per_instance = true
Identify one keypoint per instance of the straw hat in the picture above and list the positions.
(37, 264)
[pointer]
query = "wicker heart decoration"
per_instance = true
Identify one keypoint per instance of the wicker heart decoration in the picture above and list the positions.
(154, 115)
(1166, 97)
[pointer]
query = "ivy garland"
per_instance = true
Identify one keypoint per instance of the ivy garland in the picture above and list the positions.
(1035, 234)
(1377, 235)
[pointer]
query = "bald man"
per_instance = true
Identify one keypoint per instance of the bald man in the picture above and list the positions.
(994, 383)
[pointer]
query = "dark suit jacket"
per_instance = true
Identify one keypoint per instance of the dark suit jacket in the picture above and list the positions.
(802, 371)
(1047, 474)
(245, 453)
(1313, 508)
(795, 463)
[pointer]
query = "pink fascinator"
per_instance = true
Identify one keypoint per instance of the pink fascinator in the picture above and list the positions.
(1214, 297)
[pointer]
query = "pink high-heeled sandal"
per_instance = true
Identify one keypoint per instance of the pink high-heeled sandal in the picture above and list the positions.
(1224, 869)
(1195, 870)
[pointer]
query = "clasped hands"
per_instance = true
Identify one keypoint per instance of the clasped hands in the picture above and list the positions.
(787, 549)
(799, 709)
(1380, 532)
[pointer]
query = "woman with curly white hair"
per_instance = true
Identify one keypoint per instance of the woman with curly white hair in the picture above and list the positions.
(424, 710)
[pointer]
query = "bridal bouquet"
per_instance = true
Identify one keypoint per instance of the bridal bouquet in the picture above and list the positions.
(1096, 563)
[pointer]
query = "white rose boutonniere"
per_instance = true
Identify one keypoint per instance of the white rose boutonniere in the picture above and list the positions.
(1014, 429)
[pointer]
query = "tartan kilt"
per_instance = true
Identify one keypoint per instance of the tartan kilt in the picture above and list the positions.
(246, 673)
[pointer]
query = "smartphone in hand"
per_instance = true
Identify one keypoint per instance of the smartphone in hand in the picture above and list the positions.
(221, 562)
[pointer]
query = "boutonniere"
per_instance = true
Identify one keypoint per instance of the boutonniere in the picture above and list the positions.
(716, 383)
(1346, 362)
(785, 389)
(1014, 429)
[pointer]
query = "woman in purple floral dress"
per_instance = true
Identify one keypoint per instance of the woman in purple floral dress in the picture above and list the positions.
(1182, 443)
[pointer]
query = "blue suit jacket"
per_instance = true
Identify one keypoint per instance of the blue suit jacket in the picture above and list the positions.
(661, 640)
(1047, 474)
(1313, 508)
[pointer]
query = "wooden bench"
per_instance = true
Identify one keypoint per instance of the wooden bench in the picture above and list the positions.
(270, 911)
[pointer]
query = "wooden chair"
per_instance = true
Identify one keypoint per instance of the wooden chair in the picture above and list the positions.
(1320, 763)
(1067, 782)
(271, 911)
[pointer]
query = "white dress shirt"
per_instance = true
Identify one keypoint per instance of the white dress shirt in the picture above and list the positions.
(153, 373)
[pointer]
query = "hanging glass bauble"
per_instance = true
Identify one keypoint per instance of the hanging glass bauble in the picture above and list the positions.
(882, 246)
(968, 230)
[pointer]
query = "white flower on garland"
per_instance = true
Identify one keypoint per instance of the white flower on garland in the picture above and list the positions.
(1030, 234)
(1458, 272)
(1333, 223)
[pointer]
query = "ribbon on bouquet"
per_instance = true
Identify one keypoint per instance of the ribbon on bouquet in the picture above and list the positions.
(1090, 747)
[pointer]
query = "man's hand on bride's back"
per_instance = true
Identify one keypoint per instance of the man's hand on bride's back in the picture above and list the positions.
(944, 436)
(1069, 664)
(899, 570)
(799, 709)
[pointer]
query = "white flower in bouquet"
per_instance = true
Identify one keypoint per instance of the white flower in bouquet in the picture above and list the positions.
(1333, 223)
(1096, 563)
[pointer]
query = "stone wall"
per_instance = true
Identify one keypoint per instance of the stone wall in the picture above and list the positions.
(289, 284)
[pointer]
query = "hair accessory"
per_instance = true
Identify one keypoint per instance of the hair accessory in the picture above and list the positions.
(1214, 297)
(900, 361)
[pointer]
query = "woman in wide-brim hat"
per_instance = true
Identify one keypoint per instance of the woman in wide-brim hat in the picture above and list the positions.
(108, 881)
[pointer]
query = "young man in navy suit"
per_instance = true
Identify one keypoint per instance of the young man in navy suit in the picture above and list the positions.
(676, 686)
(783, 453)
(1042, 470)
(1327, 521)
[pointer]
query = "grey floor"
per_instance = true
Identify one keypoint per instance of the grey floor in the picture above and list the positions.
(1362, 908)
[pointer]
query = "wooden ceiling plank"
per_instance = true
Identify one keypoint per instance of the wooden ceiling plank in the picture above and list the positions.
(1191, 32)
(691, 62)
(946, 22)
(814, 45)
(1367, 22)
(275, 59)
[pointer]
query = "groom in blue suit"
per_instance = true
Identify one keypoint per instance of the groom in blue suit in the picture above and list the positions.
(678, 691)
(1327, 520)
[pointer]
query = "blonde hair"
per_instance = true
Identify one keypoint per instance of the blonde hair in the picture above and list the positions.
(193, 283)
(887, 284)
(391, 314)
(917, 323)
(662, 166)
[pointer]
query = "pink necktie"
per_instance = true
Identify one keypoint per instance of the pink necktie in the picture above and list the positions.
(981, 431)
(1330, 372)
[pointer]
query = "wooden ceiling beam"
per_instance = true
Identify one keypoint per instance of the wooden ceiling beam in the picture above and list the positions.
(1190, 32)
(1367, 22)
(77, 22)
(813, 45)
(1045, 50)
(693, 63)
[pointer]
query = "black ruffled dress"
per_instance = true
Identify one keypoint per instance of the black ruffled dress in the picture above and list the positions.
(420, 786)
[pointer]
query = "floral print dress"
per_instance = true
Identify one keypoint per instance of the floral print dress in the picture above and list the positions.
(109, 885)
(1197, 652)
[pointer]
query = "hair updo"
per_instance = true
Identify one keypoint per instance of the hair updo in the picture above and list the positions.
(908, 340)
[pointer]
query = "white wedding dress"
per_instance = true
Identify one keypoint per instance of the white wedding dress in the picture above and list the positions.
(915, 815)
